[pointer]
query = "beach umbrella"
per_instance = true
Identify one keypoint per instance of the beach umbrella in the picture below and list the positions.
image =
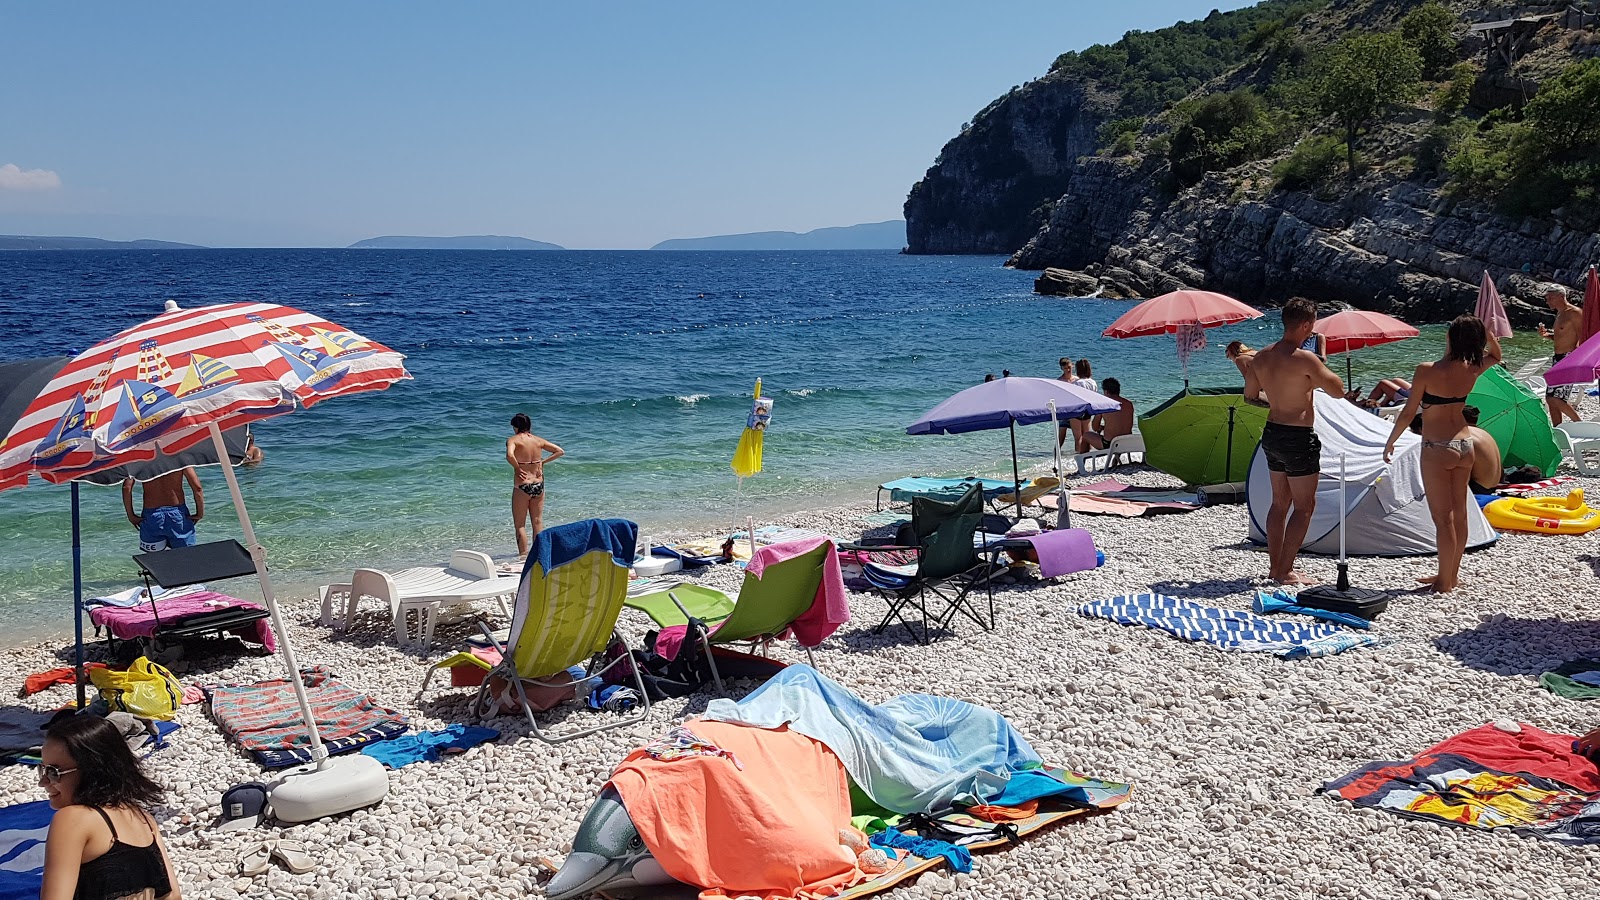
(1007, 403)
(20, 382)
(123, 400)
(747, 455)
(1491, 310)
(1185, 314)
(1517, 420)
(1203, 436)
(1352, 329)
(1581, 366)
(1591, 304)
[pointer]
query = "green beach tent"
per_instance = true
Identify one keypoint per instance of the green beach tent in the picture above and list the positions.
(1203, 435)
(1515, 416)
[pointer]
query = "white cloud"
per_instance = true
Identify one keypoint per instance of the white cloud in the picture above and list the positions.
(13, 178)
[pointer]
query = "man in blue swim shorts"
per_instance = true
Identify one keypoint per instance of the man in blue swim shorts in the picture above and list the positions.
(165, 521)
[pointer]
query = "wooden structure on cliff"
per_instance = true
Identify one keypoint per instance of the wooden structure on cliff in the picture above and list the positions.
(1508, 39)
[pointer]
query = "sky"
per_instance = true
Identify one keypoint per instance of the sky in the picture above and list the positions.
(591, 125)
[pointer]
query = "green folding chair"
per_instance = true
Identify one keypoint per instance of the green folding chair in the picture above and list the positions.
(766, 606)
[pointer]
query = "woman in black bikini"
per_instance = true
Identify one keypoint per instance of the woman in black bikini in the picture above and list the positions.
(1441, 388)
(103, 843)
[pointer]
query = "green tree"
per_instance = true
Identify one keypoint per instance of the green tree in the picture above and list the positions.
(1563, 113)
(1430, 30)
(1361, 77)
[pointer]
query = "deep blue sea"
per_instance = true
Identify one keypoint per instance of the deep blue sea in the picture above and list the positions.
(639, 364)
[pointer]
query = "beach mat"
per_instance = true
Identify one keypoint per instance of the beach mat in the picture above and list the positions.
(706, 604)
(1114, 498)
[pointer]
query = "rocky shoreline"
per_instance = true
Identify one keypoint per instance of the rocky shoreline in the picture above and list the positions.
(1226, 750)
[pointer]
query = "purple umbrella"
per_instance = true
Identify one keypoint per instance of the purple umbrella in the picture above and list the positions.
(1007, 403)
(1581, 366)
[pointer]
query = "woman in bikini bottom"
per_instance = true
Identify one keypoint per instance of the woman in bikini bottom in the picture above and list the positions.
(532, 488)
(1441, 388)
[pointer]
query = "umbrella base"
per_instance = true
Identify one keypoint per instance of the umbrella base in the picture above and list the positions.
(344, 783)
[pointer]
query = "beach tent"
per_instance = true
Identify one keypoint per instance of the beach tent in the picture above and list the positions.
(1203, 435)
(1388, 514)
(1515, 417)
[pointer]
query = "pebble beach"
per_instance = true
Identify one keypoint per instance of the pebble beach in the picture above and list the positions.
(1226, 750)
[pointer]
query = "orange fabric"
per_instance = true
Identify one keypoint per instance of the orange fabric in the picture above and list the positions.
(38, 681)
(769, 830)
(1017, 813)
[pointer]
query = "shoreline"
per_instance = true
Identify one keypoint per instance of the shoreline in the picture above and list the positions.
(1226, 750)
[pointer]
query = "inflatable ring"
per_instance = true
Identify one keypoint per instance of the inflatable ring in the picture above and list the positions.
(1544, 515)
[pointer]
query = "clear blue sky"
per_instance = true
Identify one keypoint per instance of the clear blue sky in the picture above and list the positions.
(588, 124)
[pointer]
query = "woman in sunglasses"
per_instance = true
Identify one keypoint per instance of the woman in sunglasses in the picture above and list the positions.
(103, 843)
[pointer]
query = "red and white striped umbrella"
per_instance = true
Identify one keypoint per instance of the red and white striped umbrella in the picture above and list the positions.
(163, 383)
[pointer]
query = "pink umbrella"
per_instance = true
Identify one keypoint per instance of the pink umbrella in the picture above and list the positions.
(1183, 313)
(1581, 366)
(1591, 305)
(1353, 329)
(1491, 310)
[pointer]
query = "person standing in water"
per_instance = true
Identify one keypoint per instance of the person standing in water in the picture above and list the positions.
(527, 453)
(164, 521)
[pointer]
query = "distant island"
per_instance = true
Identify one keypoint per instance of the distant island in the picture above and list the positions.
(889, 235)
(33, 242)
(466, 242)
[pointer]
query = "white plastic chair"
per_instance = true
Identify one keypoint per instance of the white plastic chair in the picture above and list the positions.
(1576, 438)
(426, 590)
(1120, 450)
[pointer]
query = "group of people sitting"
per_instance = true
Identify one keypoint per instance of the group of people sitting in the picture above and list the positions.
(1098, 431)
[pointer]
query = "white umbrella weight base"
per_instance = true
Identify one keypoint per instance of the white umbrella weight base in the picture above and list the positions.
(341, 784)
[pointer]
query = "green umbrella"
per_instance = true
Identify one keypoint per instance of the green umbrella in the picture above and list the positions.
(1516, 418)
(1203, 435)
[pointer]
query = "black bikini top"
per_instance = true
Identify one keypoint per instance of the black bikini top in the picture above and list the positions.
(1435, 400)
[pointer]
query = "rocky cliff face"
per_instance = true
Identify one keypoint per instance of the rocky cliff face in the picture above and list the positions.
(1402, 248)
(984, 192)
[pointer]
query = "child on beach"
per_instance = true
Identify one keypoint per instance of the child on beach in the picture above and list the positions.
(526, 452)
(103, 843)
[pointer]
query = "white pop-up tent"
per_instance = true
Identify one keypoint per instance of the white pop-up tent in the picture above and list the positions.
(1388, 514)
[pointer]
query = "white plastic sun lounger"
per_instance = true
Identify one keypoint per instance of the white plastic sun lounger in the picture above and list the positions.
(470, 576)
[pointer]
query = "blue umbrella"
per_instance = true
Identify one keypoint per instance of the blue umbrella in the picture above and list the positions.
(1007, 403)
(20, 382)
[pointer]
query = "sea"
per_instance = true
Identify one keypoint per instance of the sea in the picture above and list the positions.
(639, 364)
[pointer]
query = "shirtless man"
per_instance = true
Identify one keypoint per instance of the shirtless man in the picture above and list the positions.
(165, 521)
(526, 452)
(1569, 328)
(1487, 466)
(1289, 375)
(1110, 426)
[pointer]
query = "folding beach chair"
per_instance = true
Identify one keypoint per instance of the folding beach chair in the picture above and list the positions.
(566, 612)
(766, 606)
(948, 566)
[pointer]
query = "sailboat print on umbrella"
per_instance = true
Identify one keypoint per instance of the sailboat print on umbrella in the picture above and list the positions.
(343, 344)
(75, 429)
(144, 411)
(205, 376)
(316, 370)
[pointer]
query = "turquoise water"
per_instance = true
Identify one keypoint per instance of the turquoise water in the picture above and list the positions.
(639, 364)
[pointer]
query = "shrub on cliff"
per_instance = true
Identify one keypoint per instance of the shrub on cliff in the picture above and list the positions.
(1430, 30)
(1220, 131)
(1311, 166)
(1548, 159)
(1361, 77)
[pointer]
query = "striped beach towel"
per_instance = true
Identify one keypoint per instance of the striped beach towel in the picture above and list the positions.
(23, 829)
(264, 718)
(1521, 490)
(1230, 629)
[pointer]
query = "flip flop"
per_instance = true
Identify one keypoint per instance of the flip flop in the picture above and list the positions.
(294, 857)
(257, 859)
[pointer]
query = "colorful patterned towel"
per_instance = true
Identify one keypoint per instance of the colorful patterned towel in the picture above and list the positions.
(264, 718)
(1522, 490)
(1230, 629)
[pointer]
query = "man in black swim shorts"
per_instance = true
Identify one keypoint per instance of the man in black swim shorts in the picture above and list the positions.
(1288, 376)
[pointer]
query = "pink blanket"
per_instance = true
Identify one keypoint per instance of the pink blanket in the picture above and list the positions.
(140, 621)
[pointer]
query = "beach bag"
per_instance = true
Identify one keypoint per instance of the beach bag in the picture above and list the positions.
(145, 689)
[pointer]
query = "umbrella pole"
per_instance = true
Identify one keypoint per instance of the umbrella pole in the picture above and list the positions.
(319, 753)
(1016, 475)
(1347, 370)
(1228, 460)
(1063, 516)
(77, 596)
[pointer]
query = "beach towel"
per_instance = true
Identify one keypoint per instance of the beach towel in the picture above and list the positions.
(751, 813)
(264, 718)
(1527, 750)
(428, 746)
(830, 609)
(1522, 490)
(1230, 629)
(1457, 790)
(780, 534)
(125, 623)
(138, 595)
(1576, 680)
(912, 753)
(21, 729)
(1064, 551)
(1281, 601)
(49, 678)
(23, 829)
(1114, 498)
(947, 490)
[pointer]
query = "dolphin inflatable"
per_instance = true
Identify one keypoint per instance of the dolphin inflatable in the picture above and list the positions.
(607, 854)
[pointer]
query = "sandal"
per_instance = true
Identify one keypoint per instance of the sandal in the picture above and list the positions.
(257, 859)
(294, 857)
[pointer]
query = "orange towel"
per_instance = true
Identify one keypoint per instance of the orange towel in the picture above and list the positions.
(768, 830)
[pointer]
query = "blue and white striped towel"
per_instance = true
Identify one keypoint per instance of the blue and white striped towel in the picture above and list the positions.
(1230, 629)
(22, 834)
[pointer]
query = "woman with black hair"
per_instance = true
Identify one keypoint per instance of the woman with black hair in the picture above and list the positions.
(1441, 388)
(103, 844)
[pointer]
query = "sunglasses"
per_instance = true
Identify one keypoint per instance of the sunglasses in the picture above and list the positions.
(53, 774)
